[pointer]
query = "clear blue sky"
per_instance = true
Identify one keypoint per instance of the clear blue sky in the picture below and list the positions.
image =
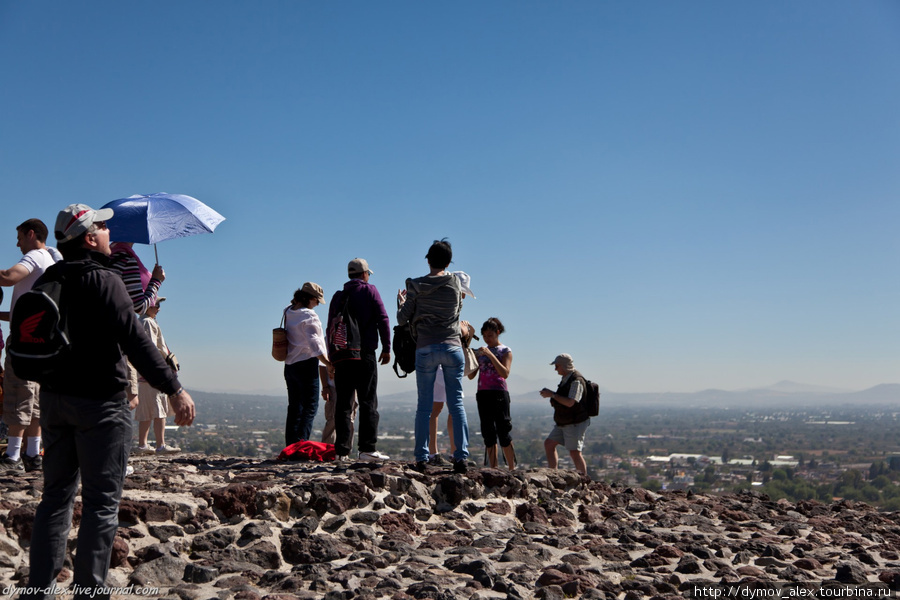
(683, 195)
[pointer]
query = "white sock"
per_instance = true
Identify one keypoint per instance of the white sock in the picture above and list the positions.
(14, 447)
(33, 446)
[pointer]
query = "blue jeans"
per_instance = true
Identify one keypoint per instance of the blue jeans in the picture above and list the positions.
(452, 362)
(89, 440)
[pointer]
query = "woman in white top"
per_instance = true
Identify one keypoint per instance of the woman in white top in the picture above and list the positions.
(306, 348)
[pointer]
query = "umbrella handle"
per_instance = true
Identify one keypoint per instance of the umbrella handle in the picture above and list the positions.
(155, 253)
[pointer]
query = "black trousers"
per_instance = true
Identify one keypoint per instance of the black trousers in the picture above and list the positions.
(360, 376)
(493, 410)
(302, 380)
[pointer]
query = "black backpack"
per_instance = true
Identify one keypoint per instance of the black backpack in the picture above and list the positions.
(344, 339)
(404, 350)
(39, 335)
(590, 400)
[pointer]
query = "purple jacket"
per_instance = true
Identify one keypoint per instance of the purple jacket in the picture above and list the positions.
(365, 304)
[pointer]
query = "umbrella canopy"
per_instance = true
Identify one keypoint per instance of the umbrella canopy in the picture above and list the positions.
(158, 217)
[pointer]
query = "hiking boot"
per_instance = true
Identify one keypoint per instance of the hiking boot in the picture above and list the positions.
(460, 466)
(438, 460)
(32, 463)
(373, 456)
(168, 450)
(8, 464)
(420, 466)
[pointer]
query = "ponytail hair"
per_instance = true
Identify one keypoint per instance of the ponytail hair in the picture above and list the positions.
(493, 324)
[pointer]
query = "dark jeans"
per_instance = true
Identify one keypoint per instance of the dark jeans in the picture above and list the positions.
(302, 380)
(360, 376)
(493, 409)
(86, 438)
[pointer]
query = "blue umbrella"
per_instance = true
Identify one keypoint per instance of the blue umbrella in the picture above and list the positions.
(158, 217)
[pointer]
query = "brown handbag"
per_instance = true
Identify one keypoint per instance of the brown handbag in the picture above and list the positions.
(279, 341)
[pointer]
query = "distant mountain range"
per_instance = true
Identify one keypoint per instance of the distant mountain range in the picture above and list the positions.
(792, 387)
(783, 393)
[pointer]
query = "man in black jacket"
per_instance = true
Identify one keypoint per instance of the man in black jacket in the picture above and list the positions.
(84, 411)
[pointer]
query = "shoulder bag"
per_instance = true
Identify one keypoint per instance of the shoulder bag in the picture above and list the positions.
(279, 340)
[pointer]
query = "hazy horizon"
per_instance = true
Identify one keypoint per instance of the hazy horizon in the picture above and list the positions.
(520, 386)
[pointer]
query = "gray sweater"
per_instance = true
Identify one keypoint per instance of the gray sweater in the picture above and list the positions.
(432, 308)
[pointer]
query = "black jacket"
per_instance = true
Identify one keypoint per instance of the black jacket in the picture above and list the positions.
(103, 329)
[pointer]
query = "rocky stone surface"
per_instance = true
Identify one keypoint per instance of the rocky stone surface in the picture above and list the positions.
(201, 528)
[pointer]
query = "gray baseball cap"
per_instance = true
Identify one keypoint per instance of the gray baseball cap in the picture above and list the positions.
(358, 266)
(565, 361)
(75, 219)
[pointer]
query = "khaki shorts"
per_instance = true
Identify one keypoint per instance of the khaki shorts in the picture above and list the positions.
(21, 404)
(570, 436)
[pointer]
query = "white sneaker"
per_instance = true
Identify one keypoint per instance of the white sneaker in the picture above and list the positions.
(129, 470)
(143, 450)
(168, 450)
(374, 456)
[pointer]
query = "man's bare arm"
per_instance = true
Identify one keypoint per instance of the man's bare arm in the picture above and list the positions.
(13, 275)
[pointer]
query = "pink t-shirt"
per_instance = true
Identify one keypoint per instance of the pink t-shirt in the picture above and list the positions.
(488, 377)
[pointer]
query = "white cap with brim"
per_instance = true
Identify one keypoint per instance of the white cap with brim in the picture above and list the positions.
(75, 219)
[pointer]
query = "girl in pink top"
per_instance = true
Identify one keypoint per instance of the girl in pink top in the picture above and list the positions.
(494, 363)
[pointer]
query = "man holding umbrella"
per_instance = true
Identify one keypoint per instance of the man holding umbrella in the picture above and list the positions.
(84, 414)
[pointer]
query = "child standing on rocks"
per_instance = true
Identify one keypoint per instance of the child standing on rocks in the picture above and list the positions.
(494, 363)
